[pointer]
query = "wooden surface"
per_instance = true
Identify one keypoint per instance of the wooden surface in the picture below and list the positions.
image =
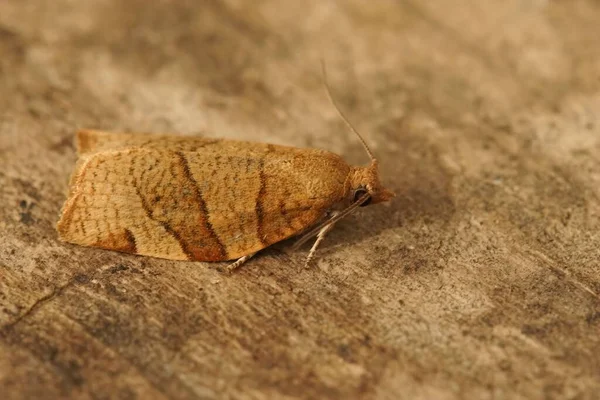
(480, 280)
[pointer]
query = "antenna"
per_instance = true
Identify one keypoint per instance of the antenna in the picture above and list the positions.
(326, 83)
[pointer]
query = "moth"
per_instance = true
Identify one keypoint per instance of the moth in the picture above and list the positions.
(201, 199)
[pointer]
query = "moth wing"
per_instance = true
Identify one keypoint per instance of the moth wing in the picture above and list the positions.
(221, 201)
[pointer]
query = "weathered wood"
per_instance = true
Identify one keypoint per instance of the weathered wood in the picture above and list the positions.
(480, 280)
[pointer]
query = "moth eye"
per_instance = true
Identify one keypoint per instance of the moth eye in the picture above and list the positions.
(360, 193)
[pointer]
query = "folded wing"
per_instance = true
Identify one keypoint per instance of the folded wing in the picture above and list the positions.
(195, 199)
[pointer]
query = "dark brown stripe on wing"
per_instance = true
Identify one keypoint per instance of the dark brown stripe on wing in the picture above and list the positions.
(164, 224)
(131, 245)
(258, 208)
(120, 241)
(216, 250)
(287, 219)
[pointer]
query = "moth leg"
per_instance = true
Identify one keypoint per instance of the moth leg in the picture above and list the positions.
(320, 237)
(239, 262)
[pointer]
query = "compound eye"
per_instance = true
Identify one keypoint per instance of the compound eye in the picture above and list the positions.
(360, 193)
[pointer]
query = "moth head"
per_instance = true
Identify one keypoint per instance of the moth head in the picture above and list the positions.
(364, 181)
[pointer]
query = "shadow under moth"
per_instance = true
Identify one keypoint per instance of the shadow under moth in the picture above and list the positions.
(202, 199)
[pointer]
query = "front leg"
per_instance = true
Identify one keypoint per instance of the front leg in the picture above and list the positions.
(320, 237)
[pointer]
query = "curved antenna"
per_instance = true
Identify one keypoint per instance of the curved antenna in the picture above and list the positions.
(326, 83)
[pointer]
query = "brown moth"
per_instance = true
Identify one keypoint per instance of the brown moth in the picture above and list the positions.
(201, 199)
